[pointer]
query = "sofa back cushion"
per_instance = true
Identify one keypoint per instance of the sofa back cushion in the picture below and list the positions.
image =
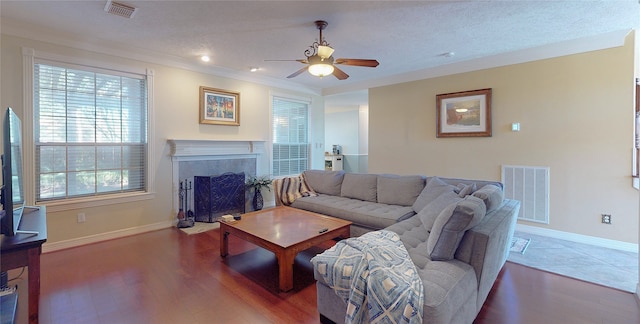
(450, 226)
(399, 190)
(325, 182)
(360, 186)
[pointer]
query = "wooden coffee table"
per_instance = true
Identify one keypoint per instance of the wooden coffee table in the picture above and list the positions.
(284, 231)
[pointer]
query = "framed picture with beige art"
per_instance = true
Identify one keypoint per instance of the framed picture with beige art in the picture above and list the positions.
(219, 107)
(465, 113)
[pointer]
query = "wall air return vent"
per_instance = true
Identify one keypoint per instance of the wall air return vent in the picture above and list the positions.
(120, 9)
(529, 185)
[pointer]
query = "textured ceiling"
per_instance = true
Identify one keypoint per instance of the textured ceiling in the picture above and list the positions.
(404, 36)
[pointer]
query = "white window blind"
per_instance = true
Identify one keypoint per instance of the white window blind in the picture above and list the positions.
(290, 138)
(90, 132)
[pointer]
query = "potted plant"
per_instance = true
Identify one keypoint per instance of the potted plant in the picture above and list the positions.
(257, 183)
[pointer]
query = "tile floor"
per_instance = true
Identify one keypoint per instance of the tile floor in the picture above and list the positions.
(609, 267)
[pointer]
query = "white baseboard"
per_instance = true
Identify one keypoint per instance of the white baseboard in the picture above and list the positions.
(579, 238)
(55, 246)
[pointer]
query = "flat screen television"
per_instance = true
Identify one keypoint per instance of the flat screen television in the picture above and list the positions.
(12, 187)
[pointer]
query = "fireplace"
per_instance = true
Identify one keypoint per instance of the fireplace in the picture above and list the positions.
(218, 195)
(207, 158)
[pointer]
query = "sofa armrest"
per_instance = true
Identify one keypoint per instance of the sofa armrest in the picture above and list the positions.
(486, 246)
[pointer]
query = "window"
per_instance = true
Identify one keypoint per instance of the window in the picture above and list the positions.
(290, 138)
(90, 131)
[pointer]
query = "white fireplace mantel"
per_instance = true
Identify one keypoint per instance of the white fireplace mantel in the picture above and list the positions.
(185, 148)
(204, 150)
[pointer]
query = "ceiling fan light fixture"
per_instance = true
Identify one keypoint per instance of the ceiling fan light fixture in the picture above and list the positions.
(321, 69)
(321, 62)
(325, 51)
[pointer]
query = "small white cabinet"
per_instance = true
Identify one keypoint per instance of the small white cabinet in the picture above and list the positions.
(333, 162)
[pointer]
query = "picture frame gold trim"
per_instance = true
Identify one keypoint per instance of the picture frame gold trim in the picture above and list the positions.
(219, 107)
(464, 114)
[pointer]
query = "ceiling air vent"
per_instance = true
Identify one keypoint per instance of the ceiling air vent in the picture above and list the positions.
(120, 9)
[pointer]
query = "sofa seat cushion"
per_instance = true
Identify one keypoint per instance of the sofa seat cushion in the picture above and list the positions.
(363, 213)
(450, 287)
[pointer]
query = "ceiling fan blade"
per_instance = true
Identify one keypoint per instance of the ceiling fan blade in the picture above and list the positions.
(357, 62)
(339, 74)
(296, 73)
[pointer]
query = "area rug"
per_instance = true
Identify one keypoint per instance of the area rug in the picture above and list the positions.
(200, 227)
(519, 245)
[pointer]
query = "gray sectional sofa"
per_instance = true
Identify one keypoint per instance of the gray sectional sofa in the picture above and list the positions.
(456, 231)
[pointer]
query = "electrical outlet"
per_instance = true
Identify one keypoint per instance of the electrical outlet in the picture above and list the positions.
(81, 218)
(606, 219)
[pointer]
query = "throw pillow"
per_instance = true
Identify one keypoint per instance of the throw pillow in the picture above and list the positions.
(325, 182)
(360, 186)
(450, 226)
(434, 188)
(429, 213)
(399, 190)
(491, 195)
(466, 189)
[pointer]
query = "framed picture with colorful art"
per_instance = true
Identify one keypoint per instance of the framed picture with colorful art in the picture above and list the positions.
(219, 107)
(462, 114)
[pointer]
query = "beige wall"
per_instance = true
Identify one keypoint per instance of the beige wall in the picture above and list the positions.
(576, 116)
(176, 93)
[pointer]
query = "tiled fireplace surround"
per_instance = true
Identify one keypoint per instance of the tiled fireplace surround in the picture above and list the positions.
(213, 157)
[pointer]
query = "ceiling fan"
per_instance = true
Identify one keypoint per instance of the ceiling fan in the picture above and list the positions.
(321, 63)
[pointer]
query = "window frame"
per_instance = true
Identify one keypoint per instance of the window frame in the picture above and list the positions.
(30, 58)
(635, 169)
(302, 100)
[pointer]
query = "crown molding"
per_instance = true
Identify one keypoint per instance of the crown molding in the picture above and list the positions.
(17, 29)
(576, 46)
(582, 45)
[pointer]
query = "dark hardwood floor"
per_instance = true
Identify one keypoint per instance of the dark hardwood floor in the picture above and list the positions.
(167, 276)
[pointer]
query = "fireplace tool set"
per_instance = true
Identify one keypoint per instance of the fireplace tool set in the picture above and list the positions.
(188, 219)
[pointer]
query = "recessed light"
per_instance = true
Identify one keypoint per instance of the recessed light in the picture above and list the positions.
(205, 58)
(449, 54)
(254, 69)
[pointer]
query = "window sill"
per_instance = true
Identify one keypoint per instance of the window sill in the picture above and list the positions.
(79, 203)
